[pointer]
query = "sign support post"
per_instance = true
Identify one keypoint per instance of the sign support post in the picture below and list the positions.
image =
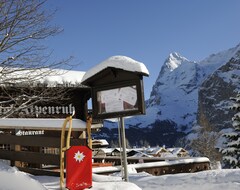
(124, 154)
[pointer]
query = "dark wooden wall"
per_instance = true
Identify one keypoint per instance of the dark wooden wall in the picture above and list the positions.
(26, 152)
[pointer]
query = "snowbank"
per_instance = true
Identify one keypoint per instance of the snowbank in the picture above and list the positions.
(207, 180)
(12, 179)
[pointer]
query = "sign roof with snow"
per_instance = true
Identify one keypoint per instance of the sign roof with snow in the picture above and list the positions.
(119, 62)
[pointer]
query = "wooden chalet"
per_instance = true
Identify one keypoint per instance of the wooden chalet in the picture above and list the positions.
(30, 138)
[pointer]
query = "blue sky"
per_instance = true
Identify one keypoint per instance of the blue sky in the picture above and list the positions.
(145, 30)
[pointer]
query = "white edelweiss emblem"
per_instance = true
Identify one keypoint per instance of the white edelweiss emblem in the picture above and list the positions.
(79, 156)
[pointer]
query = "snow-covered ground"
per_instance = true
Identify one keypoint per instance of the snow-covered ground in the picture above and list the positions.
(12, 179)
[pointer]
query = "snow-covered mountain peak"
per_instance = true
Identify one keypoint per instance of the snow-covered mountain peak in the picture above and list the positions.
(176, 55)
(237, 52)
(177, 85)
(173, 61)
(216, 60)
(187, 93)
(220, 58)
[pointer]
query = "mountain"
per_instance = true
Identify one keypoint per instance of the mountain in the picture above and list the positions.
(174, 91)
(214, 95)
(185, 93)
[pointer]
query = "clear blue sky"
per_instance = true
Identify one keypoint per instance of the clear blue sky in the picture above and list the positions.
(145, 30)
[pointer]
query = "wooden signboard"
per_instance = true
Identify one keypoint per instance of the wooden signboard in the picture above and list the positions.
(118, 99)
(72, 100)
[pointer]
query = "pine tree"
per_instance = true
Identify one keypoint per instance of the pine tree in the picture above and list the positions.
(231, 154)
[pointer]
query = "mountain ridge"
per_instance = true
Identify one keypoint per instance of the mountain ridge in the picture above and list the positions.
(174, 100)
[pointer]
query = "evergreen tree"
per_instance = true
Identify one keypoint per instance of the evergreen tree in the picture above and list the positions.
(231, 153)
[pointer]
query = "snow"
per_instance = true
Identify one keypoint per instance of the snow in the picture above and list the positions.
(176, 79)
(43, 123)
(214, 179)
(133, 167)
(64, 76)
(12, 179)
(228, 76)
(51, 77)
(119, 62)
(101, 142)
(174, 61)
(230, 159)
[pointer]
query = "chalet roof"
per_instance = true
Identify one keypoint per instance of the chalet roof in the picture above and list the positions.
(176, 151)
(101, 142)
(51, 77)
(141, 154)
(120, 150)
(107, 150)
(64, 76)
(155, 150)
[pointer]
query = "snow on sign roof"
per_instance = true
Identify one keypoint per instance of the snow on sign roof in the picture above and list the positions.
(119, 62)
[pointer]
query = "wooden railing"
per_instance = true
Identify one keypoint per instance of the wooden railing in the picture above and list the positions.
(155, 166)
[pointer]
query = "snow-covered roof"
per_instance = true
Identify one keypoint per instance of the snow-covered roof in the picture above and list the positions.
(102, 142)
(119, 62)
(64, 76)
(141, 154)
(176, 151)
(152, 164)
(158, 150)
(107, 150)
(43, 124)
(51, 77)
(120, 149)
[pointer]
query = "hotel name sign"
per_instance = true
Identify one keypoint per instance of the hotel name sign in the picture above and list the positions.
(42, 111)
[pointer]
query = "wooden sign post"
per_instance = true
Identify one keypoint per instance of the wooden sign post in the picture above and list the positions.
(117, 91)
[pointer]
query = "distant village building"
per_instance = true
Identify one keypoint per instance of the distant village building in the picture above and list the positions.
(157, 151)
(116, 152)
(150, 152)
(138, 154)
(179, 152)
(102, 152)
(99, 143)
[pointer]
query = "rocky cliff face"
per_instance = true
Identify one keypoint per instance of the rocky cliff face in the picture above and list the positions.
(214, 95)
